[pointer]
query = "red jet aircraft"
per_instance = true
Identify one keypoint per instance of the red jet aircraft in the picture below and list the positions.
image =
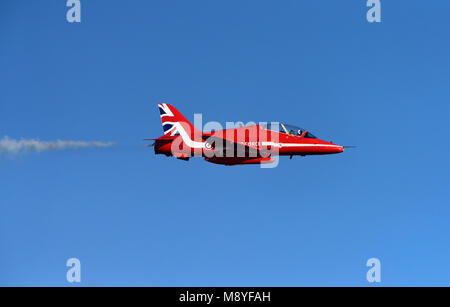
(255, 144)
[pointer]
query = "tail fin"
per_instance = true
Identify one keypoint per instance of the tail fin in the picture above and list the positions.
(173, 121)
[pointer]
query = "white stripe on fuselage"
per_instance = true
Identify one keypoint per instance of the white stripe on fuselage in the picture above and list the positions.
(194, 144)
(295, 144)
(186, 138)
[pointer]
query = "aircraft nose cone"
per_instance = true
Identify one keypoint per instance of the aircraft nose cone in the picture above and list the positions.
(336, 149)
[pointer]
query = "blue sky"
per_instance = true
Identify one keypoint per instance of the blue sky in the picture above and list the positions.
(133, 218)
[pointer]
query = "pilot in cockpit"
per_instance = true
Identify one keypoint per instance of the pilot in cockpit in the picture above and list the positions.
(299, 132)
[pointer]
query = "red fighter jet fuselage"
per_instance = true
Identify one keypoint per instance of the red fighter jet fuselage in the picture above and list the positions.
(255, 144)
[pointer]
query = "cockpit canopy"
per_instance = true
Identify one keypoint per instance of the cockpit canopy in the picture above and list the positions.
(288, 129)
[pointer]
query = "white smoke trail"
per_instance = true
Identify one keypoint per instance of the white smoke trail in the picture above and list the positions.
(13, 146)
